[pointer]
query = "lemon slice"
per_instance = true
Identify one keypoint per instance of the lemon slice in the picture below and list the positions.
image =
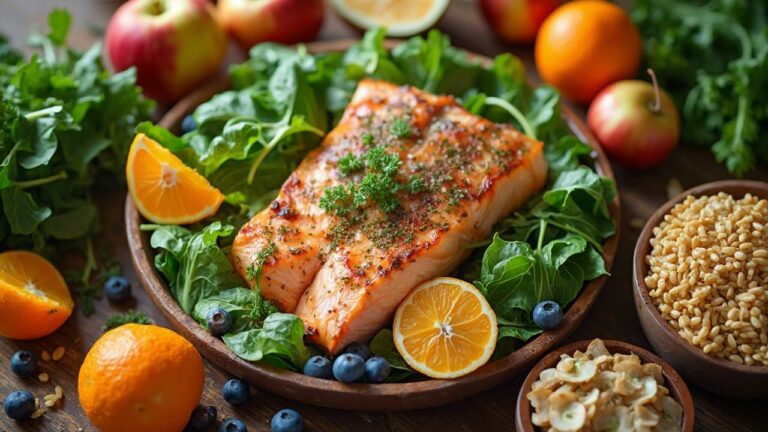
(400, 17)
(445, 328)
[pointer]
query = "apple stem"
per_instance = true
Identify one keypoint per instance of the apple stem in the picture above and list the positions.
(157, 7)
(656, 107)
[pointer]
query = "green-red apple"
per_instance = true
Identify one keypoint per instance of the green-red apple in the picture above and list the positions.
(283, 21)
(175, 45)
(636, 122)
(517, 21)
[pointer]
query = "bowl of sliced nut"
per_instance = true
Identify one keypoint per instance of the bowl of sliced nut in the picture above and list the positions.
(603, 385)
(701, 286)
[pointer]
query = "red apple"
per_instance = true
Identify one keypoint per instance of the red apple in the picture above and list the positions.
(283, 21)
(175, 45)
(517, 21)
(636, 123)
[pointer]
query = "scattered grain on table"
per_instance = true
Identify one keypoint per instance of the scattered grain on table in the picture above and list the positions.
(58, 353)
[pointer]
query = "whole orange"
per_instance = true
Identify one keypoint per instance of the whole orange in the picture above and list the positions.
(140, 378)
(585, 45)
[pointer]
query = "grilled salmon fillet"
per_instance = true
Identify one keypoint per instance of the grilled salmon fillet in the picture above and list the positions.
(345, 272)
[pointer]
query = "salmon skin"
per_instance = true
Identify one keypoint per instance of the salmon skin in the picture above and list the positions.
(344, 276)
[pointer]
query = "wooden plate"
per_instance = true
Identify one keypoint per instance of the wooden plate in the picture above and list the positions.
(672, 380)
(383, 397)
(717, 375)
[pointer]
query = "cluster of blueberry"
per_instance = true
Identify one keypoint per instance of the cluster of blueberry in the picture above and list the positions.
(20, 404)
(237, 392)
(355, 364)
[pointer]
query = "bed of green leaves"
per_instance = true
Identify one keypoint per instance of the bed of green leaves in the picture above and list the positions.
(249, 139)
(713, 57)
(64, 121)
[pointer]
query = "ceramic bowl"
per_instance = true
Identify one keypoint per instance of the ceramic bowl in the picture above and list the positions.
(714, 374)
(672, 380)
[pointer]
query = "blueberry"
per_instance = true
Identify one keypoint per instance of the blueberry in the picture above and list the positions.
(348, 367)
(547, 315)
(19, 405)
(319, 367)
(376, 369)
(236, 392)
(117, 289)
(188, 124)
(203, 417)
(23, 364)
(219, 321)
(287, 420)
(233, 425)
(360, 349)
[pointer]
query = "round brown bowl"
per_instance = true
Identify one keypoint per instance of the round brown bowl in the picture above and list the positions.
(714, 374)
(672, 380)
(382, 397)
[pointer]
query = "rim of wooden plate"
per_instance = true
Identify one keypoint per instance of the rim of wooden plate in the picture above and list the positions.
(672, 380)
(359, 396)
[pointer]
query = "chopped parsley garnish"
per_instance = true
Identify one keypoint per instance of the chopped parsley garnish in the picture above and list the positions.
(367, 138)
(378, 185)
(337, 200)
(350, 163)
(132, 316)
(416, 184)
(379, 160)
(455, 195)
(380, 188)
(401, 128)
(254, 270)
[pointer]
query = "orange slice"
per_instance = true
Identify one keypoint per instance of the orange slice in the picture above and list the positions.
(164, 189)
(34, 299)
(400, 17)
(445, 328)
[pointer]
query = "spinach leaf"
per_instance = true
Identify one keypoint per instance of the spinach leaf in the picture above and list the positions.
(75, 223)
(383, 345)
(432, 64)
(246, 306)
(515, 278)
(280, 342)
(194, 264)
(21, 211)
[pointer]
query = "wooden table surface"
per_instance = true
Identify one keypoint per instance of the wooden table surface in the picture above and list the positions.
(612, 317)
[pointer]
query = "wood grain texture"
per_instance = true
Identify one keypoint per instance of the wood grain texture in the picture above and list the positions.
(672, 380)
(714, 374)
(385, 397)
(612, 317)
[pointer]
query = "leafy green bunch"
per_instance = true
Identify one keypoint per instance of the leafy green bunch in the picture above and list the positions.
(64, 120)
(713, 58)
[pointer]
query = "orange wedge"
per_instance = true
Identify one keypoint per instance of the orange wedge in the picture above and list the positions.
(164, 189)
(34, 299)
(445, 328)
